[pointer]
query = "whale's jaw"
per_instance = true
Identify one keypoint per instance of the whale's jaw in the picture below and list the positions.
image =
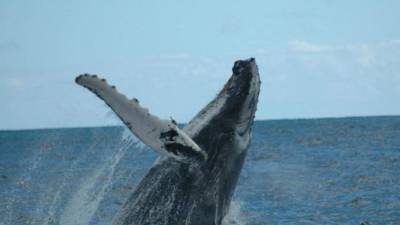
(233, 109)
(242, 92)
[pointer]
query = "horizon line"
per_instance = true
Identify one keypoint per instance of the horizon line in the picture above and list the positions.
(260, 120)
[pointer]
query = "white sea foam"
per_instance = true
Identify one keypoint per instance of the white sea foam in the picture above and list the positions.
(234, 216)
(84, 203)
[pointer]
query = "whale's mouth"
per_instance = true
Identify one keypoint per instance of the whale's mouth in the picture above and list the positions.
(249, 107)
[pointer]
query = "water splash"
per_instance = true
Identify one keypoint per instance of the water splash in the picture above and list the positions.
(234, 216)
(24, 182)
(84, 203)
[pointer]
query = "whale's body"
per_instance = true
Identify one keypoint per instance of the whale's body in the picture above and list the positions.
(199, 192)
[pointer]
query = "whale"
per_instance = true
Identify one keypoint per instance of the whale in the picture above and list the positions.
(193, 180)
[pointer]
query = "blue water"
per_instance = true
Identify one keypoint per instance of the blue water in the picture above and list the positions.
(320, 171)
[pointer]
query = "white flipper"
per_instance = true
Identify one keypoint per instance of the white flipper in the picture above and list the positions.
(161, 135)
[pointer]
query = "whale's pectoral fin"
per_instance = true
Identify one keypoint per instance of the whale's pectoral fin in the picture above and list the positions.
(161, 135)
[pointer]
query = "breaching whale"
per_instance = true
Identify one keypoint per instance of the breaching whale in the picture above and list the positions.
(193, 180)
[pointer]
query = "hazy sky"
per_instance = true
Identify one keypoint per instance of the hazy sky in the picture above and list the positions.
(321, 58)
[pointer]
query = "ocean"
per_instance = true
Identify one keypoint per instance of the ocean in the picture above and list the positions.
(313, 171)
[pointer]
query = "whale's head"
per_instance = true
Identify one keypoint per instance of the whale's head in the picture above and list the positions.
(233, 109)
(240, 96)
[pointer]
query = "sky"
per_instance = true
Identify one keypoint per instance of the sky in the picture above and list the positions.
(316, 58)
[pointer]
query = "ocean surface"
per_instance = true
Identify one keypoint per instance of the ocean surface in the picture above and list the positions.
(317, 171)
